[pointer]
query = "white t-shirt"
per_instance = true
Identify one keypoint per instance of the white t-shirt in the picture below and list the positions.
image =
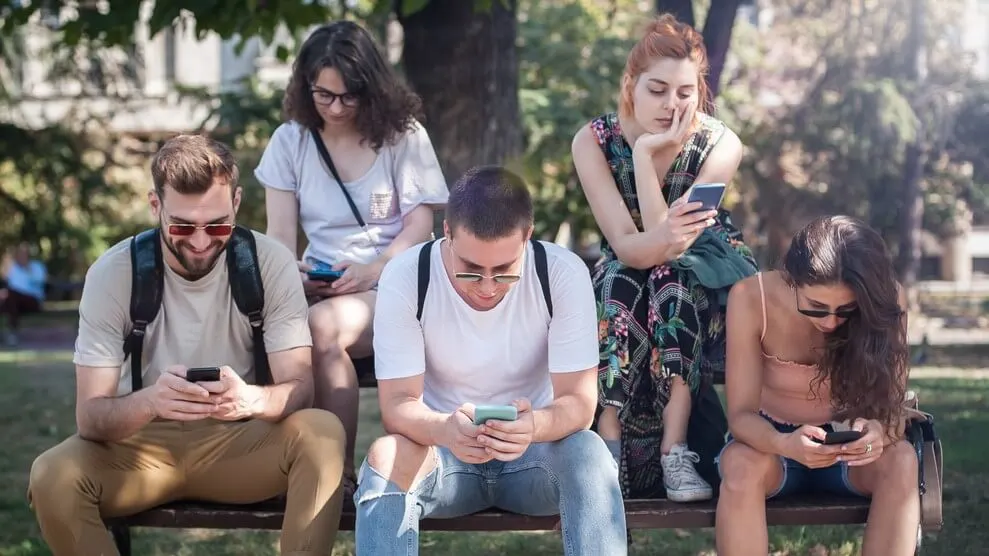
(403, 176)
(485, 357)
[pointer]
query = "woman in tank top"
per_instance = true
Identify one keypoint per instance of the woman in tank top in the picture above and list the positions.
(815, 347)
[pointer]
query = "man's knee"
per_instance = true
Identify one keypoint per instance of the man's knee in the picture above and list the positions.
(55, 475)
(401, 460)
(318, 428)
(744, 469)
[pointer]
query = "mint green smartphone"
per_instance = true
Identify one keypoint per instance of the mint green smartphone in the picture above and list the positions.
(483, 413)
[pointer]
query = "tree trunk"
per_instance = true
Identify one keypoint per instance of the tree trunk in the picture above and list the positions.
(463, 63)
(913, 198)
(683, 10)
(717, 38)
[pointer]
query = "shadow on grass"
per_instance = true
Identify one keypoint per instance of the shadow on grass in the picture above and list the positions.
(36, 411)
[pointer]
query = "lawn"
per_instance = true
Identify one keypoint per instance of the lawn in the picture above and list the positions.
(36, 410)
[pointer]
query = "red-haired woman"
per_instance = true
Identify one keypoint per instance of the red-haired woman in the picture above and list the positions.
(663, 281)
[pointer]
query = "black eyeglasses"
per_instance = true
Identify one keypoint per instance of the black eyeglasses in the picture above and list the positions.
(477, 277)
(821, 313)
(323, 97)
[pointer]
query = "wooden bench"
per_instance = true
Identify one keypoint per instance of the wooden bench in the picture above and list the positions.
(640, 514)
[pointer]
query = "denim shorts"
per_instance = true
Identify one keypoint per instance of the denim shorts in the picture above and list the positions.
(800, 479)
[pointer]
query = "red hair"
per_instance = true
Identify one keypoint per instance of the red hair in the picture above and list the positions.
(665, 37)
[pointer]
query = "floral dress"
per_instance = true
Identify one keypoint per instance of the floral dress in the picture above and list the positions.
(657, 323)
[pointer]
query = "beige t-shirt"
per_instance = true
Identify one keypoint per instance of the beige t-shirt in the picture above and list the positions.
(198, 324)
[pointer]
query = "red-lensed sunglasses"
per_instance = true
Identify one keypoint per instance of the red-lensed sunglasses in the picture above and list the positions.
(212, 230)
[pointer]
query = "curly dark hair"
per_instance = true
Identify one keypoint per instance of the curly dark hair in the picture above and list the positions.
(388, 108)
(867, 358)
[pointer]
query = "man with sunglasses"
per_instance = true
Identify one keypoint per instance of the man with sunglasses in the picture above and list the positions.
(485, 332)
(220, 438)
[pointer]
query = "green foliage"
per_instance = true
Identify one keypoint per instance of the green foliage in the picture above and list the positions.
(572, 55)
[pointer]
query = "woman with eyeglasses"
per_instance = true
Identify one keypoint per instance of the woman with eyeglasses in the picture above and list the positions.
(354, 167)
(817, 347)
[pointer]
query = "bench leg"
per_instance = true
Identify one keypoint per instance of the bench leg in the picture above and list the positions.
(121, 538)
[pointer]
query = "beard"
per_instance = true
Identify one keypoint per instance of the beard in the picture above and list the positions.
(195, 267)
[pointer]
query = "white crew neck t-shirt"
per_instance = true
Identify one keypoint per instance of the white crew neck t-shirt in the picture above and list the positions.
(404, 175)
(485, 357)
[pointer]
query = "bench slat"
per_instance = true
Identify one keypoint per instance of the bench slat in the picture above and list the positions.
(640, 514)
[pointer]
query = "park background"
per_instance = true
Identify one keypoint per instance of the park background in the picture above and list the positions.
(875, 108)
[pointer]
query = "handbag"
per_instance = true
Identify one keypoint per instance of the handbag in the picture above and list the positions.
(920, 432)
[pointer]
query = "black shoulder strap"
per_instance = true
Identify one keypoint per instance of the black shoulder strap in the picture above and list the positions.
(247, 289)
(147, 286)
(325, 155)
(425, 257)
(542, 272)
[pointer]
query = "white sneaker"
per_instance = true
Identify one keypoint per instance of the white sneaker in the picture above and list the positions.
(683, 483)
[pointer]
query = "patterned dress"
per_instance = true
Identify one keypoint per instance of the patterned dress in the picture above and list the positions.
(658, 323)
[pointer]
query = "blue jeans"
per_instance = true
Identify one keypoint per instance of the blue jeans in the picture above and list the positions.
(799, 479)
(575, 478)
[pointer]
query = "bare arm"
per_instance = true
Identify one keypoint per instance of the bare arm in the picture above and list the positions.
(292, 388)
(417, 225)
(102, 416)
(633, 248)
(744, 368)
(572, 410)
(722, 162)
(402, 412)
(282, 210)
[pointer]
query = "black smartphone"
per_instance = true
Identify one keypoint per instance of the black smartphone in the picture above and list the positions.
(203, 374)
(710, 194)
(842, 437)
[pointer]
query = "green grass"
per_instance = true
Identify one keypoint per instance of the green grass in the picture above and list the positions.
(36, 411)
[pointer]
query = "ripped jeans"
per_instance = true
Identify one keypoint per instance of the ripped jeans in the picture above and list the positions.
(575, 478)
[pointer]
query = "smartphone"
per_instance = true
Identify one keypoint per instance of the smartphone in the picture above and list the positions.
(483, 413)
(324, 275)
(203, 374)
(710, 194)
(842, 437)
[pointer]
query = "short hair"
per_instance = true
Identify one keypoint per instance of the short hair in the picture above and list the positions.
(490, 202)
(191, 164)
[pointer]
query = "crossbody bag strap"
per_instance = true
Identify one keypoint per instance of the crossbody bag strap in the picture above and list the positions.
(325, 155)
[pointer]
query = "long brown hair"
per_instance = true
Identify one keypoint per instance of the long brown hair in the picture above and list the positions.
(866, 359)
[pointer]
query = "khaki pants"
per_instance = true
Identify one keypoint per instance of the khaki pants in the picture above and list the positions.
(76, 483)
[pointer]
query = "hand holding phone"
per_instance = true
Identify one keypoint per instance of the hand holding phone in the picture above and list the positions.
(710, 194)
(506, 431)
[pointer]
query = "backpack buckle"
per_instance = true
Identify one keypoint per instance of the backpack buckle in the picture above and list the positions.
(139, 326)
(255, 318)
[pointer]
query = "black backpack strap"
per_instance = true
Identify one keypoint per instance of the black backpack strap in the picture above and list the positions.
(425, 254)
(542, 272)
(247, 290)
(147, 286)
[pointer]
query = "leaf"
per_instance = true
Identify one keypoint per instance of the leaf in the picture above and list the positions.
(410, 7)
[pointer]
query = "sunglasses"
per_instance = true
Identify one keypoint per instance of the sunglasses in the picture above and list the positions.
(477, 277)
(212, 230)
(821, 313)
